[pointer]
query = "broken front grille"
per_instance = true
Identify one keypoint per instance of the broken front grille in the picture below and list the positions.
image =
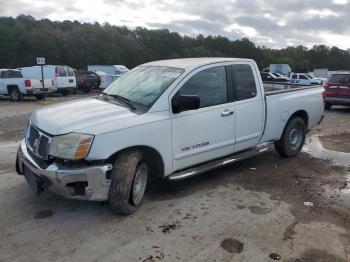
(38, 142)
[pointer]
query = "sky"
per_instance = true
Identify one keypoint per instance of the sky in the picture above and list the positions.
(270, 23)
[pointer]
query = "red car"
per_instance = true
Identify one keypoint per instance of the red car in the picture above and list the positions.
(337, 90)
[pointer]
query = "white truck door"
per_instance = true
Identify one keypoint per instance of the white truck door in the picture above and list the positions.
(303, 80)
(208, 132)
(61, 77)
(71, 77)
(249, 105)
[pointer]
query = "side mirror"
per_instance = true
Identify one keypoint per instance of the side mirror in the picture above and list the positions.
(182, 103)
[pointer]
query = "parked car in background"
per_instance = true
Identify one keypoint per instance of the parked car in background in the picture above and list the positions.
(87, 80)
(63, 76)
(269, 77)
(301, 79)
(161, 120)
(116, 70)
(284, 69)
(281, 76)
(315, 80)
(106, 79)
(337, 90)
(13, 84)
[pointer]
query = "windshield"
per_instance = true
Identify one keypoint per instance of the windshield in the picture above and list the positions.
(143, 85)
(310, 76)
(275, 74)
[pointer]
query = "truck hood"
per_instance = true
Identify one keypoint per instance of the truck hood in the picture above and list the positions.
(72, 116)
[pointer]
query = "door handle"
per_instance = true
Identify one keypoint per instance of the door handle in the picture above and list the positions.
(226, 113)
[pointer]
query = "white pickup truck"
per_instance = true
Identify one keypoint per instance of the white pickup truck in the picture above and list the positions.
(167, 119)
(13, 84)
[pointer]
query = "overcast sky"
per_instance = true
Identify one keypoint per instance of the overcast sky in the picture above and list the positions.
(273, 23)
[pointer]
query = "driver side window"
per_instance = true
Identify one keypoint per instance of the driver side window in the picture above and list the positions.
(210, 85)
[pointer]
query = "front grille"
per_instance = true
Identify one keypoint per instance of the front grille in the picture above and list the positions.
(38, 142)
(33, 136)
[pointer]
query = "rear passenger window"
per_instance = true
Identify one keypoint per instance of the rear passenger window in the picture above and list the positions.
(210, 85)
(62, 71)
(244, 82)
(294, 77)
(14, 74)
(70, 72)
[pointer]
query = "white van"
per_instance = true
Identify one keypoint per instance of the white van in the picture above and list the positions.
(63, 76)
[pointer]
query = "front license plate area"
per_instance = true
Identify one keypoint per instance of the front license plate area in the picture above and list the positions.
(33, 181)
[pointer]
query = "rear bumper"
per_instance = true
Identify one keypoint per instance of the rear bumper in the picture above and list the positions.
(56, 177)
(338, 100)
(39, 91)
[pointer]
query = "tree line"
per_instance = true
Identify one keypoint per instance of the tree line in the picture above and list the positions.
(76, 44)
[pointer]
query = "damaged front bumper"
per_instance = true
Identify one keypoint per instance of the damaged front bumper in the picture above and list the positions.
(83, 183)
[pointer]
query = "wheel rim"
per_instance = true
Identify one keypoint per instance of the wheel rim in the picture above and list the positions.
(295, 137)
(14, 96)
(140, 182)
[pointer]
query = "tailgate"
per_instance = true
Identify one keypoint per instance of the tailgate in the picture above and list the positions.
(339, 89)
(37, 83)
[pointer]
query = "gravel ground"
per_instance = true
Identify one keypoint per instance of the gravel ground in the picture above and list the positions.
(263, 209)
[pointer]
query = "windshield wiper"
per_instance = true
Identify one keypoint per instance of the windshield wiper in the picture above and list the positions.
(122, 99)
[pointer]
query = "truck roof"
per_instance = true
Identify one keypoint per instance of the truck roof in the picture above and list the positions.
(7, 69)
(185, 63)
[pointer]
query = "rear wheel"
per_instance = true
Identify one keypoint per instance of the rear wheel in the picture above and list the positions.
(64, 92)
(328, 106)
(86, 89)
(292, 139)
(15, 94)
(129, 180)
(39, 97)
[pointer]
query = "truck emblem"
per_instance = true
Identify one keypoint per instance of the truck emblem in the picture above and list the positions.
(36, 141)
(195, 146)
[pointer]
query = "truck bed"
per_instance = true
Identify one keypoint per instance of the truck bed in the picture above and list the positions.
(283, 99)
(273, 88)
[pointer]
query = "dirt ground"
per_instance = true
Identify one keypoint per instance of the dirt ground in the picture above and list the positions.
(266, 208)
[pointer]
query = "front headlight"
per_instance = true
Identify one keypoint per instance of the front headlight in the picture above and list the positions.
(71, 146)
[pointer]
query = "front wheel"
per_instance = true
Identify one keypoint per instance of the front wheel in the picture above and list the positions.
(292, 139)
(129, 180)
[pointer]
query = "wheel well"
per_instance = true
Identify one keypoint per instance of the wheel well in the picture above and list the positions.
(302, 114)
(10, 87)
(152, 157)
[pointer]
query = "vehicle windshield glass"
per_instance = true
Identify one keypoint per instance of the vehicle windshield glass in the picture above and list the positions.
(275, 74)
(143, 85)
(310, 76)
(340, 79)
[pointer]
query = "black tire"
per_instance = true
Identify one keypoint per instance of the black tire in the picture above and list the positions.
(126, 169)
(39, 97)
(15, 94)
(86, 89)
(64, 92)
(328, 106)
(292, 139)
